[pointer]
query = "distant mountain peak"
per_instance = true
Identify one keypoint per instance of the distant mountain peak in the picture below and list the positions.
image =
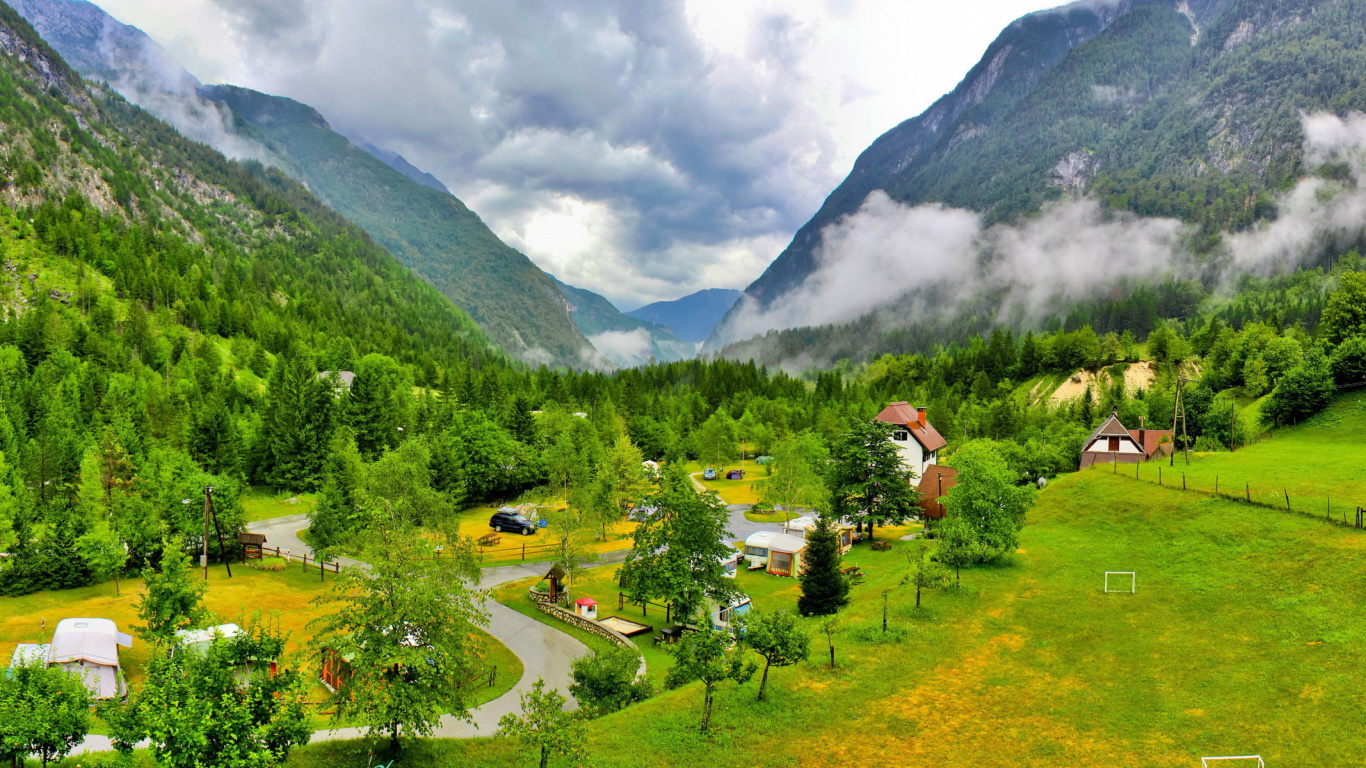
(692, 317)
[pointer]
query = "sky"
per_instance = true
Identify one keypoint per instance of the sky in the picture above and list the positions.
(642, 149)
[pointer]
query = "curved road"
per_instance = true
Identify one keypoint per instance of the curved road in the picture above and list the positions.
(545, 652)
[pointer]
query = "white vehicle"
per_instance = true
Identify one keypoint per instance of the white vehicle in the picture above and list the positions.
(756, 548)
(88, 648)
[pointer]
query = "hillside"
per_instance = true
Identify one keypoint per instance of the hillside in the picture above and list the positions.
(691, 317)
(1190, 110)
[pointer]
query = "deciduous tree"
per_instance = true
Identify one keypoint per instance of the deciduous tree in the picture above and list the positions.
(543, 727)
(606, 681)
(175, 595)
(869, 483)
(776, 636)
(44, 711)
(709, 656)
(987, 498)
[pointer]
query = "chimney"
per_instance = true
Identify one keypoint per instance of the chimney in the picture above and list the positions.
(920, 415)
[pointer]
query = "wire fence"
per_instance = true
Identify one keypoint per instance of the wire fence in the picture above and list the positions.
(1347, 514)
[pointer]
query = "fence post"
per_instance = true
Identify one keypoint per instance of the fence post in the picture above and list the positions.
(1247, 490)
(1216, 485)
(1159, 474)
(1330, 506)
(524, 553)
(1183, 481)
(305, 561)
(1287, 499)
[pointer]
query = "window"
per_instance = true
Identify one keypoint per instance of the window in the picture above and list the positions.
(1114, 445)
(782, 563)
(756, 551)
(901, 435)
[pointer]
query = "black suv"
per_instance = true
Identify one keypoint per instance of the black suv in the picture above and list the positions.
(512, 522)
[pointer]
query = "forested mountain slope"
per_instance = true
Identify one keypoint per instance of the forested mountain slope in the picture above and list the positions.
(407, 210)
(1187, 110)
(621, 338)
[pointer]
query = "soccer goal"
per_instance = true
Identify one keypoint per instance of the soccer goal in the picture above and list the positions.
(1133, 583)
(1214, 762)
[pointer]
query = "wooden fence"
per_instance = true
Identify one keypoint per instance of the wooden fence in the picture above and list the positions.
(520, 553)
(1346, 514)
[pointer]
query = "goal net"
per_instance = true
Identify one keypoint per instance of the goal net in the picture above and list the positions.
(1248, 760)
(1124, 581)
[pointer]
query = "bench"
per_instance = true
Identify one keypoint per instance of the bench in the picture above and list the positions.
(882, 546)
(489, 539)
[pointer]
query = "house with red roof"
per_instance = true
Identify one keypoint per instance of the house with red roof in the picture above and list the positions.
(1112, 442)
(918, 442)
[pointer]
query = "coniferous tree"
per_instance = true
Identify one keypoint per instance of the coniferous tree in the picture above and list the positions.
(372, 405)
(824, 588)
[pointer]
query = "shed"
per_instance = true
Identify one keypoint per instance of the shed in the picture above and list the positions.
(934, 485)
(785, 554)
(1113, 443)
(89, 649)
(252, 544)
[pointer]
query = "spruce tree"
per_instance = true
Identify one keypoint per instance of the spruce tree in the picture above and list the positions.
(824, 588)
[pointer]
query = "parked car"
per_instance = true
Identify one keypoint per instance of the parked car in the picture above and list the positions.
(512, 522)
(708, 474)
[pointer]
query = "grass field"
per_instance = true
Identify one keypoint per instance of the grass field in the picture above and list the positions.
(1244, 638)
(263, 502)
(283, 597)
(474, 522)
(1323, 457)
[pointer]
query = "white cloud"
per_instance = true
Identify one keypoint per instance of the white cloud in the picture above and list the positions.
(708, 129)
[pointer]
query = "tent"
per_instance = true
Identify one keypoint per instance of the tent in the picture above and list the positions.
(89, 649)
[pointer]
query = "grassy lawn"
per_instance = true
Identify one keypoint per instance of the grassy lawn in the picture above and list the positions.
(282, 596)
(474, 522)
(1325, 456)
(1244, 638)
(263, 503)
(747, 491)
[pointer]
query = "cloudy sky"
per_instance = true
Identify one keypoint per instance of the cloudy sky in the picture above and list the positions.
(643, 149)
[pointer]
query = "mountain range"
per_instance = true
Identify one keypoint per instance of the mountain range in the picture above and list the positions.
(692, 317)
(1187, 110)
(405, 209)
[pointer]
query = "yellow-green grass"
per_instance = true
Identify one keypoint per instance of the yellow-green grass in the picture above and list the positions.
(284, 598)
(1244, 637)
(1320, 459)
(474, 522)
(770, 517)
(747, 491)
(263, 503)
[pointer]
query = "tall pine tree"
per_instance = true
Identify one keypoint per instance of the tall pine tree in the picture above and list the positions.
(824, 588)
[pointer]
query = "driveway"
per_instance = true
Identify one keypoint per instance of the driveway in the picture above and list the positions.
(545, 652)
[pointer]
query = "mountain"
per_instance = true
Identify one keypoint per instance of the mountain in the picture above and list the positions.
(691, 317)
(1190, 110)
(400, 163)
(146, 249)
(622, 339)
(406, 210)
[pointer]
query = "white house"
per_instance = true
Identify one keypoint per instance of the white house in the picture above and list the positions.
(917, 441)
(88, 648)
(1112, 443)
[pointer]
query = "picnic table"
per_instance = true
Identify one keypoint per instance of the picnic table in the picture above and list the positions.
(489, 539)
(854, 574)
(882, 546)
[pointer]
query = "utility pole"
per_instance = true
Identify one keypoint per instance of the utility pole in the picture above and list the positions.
(204, 556)
(208, 502)
(1176, 408)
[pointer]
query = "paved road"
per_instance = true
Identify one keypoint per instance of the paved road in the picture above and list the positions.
(546, 652)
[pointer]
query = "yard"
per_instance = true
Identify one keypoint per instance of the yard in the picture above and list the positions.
(261, 502)
(1243, 638)
(282, 596)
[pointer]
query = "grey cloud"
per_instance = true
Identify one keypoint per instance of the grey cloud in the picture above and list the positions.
(611, 102)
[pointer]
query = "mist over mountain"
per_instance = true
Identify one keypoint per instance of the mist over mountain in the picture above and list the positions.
(691, 317)
(1093, 146)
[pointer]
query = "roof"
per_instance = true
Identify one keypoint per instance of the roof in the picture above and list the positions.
(251, 538)
(937, 481)
(760, 538)
(205, 636)
(1151, 438)
(92, 640)
(30, 653)
(346, 377)
(585, 601)
(783, 542)
(903, 415)
(1111, 427)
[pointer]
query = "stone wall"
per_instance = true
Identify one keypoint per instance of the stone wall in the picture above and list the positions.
(543, 598)
(587, 625)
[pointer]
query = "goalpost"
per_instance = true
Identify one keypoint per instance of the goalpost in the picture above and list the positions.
(1133, 583)
(1206, 761)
